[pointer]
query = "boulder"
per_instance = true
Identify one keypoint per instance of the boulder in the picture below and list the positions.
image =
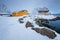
(28, 24)
(21, 20)
(57, 18)
(45, 32)
(40, 21)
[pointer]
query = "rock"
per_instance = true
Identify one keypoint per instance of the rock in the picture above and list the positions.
(21, 20)
(24, 16)
(44, 23)
(57, 18)
(28, 24)
(40, 21)
(45, 32)
(47, 25)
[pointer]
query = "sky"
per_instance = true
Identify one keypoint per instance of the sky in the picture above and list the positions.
(16, 5)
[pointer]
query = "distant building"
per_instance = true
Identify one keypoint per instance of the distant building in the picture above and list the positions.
(43, 11)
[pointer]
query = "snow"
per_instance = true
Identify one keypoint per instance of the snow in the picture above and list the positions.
(47, 16)
(11, 29)
(44, 16)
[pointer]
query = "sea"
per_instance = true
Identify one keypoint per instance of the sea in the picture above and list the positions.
(55, 24)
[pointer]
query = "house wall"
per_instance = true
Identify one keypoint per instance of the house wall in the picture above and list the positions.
(20, 13)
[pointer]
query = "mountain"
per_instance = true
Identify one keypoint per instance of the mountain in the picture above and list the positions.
(4, 9)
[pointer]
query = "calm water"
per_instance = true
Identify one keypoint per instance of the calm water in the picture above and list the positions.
(55, 24)
(56, 15)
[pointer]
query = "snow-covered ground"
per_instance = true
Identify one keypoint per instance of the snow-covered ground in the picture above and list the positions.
(11, 29)
(44, 16)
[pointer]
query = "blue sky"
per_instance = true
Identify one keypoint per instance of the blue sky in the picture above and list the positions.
(16, 5)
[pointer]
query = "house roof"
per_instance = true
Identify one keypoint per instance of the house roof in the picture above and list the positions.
(44, 9)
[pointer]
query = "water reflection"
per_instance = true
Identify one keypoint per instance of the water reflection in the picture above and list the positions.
(56, 25)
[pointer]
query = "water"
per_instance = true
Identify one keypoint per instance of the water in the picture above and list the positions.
(55, 24)
(57, 15)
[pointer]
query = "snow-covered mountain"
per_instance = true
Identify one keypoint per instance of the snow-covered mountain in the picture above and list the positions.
(4, 9)
(12, 29)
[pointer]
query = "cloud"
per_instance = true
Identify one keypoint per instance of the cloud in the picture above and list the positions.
(15, 5)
